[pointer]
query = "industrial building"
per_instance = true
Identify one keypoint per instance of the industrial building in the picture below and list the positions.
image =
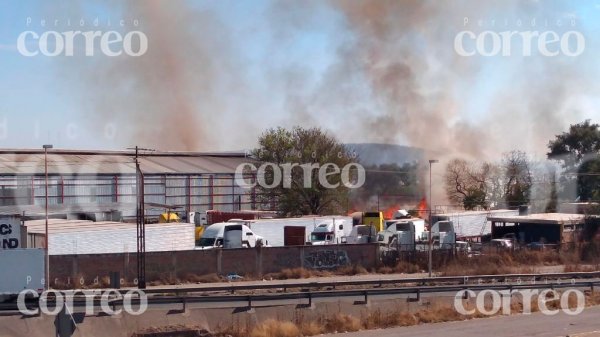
(552, 228)
(105, 181)
(104, 237)
(472, 225)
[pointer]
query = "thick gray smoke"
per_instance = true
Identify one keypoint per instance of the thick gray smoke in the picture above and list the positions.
(426, 95)
(395, 77)
(177, 95)
(405, 49)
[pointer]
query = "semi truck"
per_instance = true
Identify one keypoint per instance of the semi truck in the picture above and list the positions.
(283, 231)
(202, 220)
(291, 230)
(372, 219)
(418, 230)
(330, 231)
(443, 234)
(362, 234)
(23, 268)
(402, 234)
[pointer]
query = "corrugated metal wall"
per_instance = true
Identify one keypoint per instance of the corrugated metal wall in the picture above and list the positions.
(190, 192)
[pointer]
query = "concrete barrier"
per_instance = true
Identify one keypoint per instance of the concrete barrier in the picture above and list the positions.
(74, 271)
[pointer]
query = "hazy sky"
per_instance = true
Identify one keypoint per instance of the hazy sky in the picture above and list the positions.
(218, 73)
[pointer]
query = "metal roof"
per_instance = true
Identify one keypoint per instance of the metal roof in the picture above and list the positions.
(65, 226)
(60, 209)
(70, 162)
(474, 213)
(542, 218)
(86, 237)
(475, 223)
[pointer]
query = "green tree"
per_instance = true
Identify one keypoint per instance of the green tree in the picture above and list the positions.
(588, 179)
(302, 193)
(577, 150)
(571, 148)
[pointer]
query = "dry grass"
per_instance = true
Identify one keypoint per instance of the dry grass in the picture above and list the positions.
(342, 323)
(522, 262)
(311, 328)
(172, 329)
(378, 319)
(385, 270)
(210, 278)
(302, 273)
(375, 319)
(291, 273)
(573, 268)
(274, 328)
(438, 314)
(351, 270)
(406, 267)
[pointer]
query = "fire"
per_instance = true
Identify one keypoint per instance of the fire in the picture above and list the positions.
(422, 209)
(388, 213)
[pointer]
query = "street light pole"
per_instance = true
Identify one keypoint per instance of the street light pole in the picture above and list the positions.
(431, 162)
(47, 252)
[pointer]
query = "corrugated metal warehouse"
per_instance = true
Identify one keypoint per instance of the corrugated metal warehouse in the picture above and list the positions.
(472, 225)
(87, 237)
(193, 181)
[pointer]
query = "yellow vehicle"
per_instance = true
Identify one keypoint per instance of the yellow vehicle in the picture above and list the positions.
(168, 217)
(374, 219)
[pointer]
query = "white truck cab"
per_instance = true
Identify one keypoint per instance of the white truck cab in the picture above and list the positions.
(362, 234)
(330, 232)
(443, 233)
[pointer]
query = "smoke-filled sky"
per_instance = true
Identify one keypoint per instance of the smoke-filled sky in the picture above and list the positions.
(218, 73)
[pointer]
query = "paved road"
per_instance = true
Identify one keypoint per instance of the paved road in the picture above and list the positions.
(587, 324)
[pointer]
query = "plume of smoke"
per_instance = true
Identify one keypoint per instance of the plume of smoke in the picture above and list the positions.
(175, 96)
(396, 55)
(405, 51)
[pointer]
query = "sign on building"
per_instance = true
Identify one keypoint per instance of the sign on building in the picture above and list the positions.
(10, 233)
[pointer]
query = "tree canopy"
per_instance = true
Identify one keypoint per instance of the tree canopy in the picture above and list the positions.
(484, 185)
(578, 151)
(300, 146)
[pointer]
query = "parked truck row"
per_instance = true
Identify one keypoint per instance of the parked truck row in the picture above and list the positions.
(402, 231)
(277, 232)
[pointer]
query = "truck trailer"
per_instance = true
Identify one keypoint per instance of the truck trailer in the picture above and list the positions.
(23, 269)
(274, 230)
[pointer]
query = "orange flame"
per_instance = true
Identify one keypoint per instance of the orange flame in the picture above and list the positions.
(388, 213)
(422, 209)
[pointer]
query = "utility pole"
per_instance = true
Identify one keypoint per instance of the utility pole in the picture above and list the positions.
(141, 221)
(431, 162)
(47, 252)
